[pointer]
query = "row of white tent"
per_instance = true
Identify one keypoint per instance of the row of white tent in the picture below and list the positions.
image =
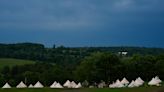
(67, 84)
(135, 83)
(118, 84)
(125, 83)
(22, 85)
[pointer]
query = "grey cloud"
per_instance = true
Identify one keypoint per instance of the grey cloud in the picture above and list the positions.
(69, 14)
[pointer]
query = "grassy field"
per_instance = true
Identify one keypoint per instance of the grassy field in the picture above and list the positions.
(13, 62)
(142, 89)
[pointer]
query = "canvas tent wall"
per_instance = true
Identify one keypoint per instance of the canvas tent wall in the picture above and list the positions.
(125, 81)
(30, 86)
(158, 80)
(117, 84)
(58, 85)
(67, 84)
(155, 81)
(132, 84)
(53, 84)
(6, 86)
(21, 85)
(140, 80)
(78, 85)
(73, 84)
(38, 85)
(138, 83)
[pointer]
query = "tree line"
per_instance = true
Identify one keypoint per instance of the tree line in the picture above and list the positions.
(84, 63)
(94, 68)
(65, 56)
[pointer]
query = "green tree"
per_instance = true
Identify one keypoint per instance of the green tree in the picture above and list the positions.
(5, 70)
(98, 66)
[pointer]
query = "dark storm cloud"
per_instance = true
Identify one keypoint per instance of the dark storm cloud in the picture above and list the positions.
(102, 22)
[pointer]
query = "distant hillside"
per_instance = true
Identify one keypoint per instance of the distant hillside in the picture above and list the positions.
(66, 56)
(13, 62)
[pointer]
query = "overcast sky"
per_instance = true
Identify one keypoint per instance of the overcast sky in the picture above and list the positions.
(83, 22)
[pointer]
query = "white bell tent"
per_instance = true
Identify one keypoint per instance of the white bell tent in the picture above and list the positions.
(58, 85)
(140, 80)
(38, 85)
(117, 84)
(73, 84)
(21, 85)
(53, 85)
(78, 85)
(6, 86)
(155, 81)
(67, 84)
(125, 81)
(132, 84)
(30, 86)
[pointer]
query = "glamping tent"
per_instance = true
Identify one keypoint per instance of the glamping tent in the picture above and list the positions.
(117, 84)
(21, 85)
(30, 86)
(73, 84)
(140, 80)
(152, 82)
(78, 85)
(53, 85)
(155, 81)
(132, 84)
(6, 86)
(58, 85)
(67, 84)
(124, 81)
(112, 85)
(38, 85)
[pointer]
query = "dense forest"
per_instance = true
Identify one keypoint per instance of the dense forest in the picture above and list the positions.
(80, 63)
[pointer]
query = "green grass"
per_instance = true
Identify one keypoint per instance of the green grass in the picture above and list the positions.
(142, 89)
(13, 62)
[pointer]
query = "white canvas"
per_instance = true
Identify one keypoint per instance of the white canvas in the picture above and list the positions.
(78, 85)
(58, 85)
(73, 84)
(6, 86)
(125, 81)
(53, 85)
(67, 83)
(38, 85)
(155, 81)
(117, 84)
(30, 86)
(140, 80)
(21, 85)
(132, 84)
